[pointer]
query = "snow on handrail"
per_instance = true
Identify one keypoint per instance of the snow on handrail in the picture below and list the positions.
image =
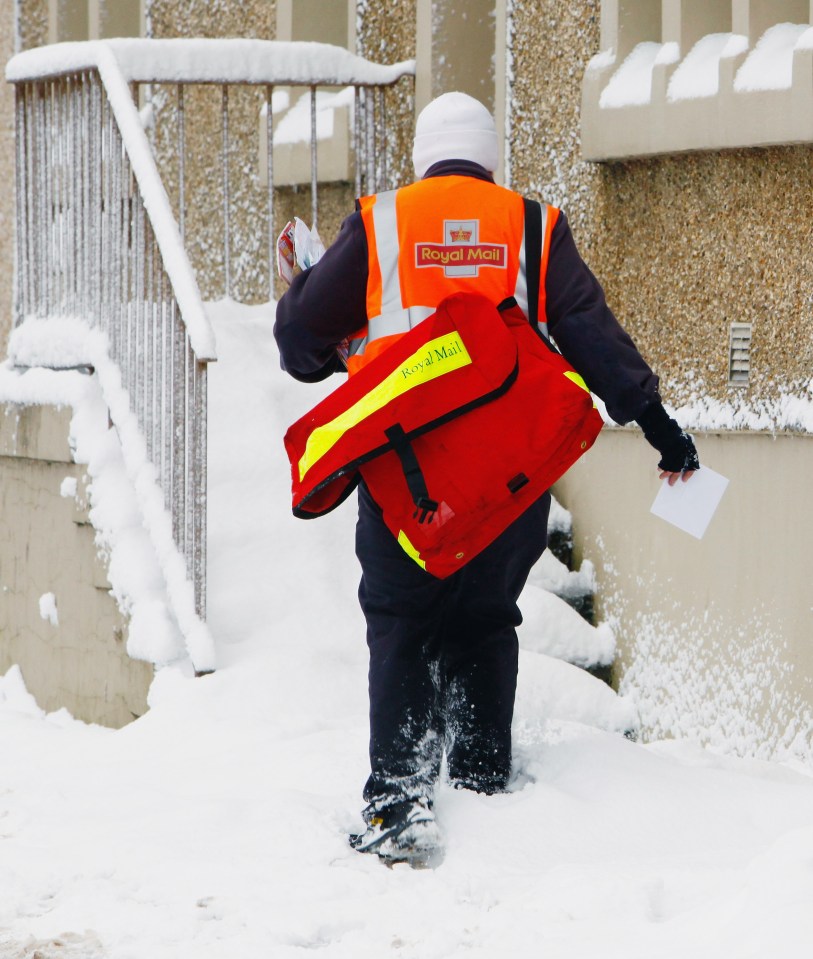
(211, 61)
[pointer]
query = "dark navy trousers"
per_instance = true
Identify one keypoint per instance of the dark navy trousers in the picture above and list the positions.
(443, 657)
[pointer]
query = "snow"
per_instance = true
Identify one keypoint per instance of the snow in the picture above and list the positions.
(48, 612)
(295, 126)
(234, 60)
(790, 408)
(133, 529)
(215, 825)
(602, 60)
(67, 487)
(769, 66)
(698, 75)
(631, 84)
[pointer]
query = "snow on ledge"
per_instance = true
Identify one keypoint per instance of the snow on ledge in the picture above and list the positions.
(631, 84)
(699, 73)
(791, 410)
(769, 66)
(146, 569)
(211, 61)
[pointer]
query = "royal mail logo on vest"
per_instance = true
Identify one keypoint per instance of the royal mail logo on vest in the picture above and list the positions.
(461, 253)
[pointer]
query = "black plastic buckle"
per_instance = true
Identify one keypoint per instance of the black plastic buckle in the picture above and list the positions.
(426, 510)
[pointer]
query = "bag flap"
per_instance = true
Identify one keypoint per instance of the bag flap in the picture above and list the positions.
(457, 358)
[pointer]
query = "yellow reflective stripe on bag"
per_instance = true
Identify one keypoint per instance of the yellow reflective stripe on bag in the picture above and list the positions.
(578, 380)
(435, 358)
(409, 549)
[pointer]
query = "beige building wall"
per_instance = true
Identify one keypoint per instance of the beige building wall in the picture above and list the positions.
(715, 635)
(683, 245)
(462, 45)
(76, 656)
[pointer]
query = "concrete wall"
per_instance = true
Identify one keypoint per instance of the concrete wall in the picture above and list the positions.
(47, 546)
(715, 635)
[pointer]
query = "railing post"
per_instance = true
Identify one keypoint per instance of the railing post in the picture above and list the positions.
(165, 353)
(85, 234)
(189, 462)
(226, 196)
(22, 196)
(181, 163)
(96, 173)
(71, 171)
(42, 216)
(314, 177)
(357, 154)
(47, 224)
(148, 356)
(179, 431)
(200, 477)
(272, 238)
(382, 139)
(62, 159)
(369, 126)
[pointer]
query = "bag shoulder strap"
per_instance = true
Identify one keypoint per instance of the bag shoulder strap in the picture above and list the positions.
(533, 256)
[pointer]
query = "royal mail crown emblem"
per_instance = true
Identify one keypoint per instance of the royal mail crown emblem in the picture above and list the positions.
(462, 253)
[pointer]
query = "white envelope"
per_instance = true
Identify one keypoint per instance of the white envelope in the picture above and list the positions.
(691, 505)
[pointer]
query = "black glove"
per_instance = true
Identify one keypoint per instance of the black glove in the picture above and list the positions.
(678, 453)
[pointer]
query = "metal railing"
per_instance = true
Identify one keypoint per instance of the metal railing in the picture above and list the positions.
(231, 68)
(97, 240)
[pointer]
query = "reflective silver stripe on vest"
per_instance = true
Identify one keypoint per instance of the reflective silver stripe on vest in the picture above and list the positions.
(385, 224)
(388, 324)
(521, 289)
(394, 318)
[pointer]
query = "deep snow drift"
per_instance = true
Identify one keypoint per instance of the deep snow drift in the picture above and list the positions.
(215, 825)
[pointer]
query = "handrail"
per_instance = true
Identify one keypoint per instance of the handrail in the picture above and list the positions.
(234, 61)
(263, 64)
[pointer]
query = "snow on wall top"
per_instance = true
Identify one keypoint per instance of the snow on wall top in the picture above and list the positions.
(769, 65)
(211, 61)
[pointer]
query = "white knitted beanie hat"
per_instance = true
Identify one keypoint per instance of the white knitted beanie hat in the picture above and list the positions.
(454, 126)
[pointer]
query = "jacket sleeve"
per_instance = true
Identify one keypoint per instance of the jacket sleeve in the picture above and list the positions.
(323, 305)
(589, 336)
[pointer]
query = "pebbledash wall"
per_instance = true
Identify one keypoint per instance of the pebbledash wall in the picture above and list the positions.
(715, 638)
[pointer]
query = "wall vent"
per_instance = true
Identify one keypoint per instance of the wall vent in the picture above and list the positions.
(739, 354)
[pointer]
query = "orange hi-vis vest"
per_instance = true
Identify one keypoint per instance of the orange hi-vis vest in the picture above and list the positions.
(442, 235)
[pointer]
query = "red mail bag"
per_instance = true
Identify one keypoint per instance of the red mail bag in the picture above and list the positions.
(456, 429)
